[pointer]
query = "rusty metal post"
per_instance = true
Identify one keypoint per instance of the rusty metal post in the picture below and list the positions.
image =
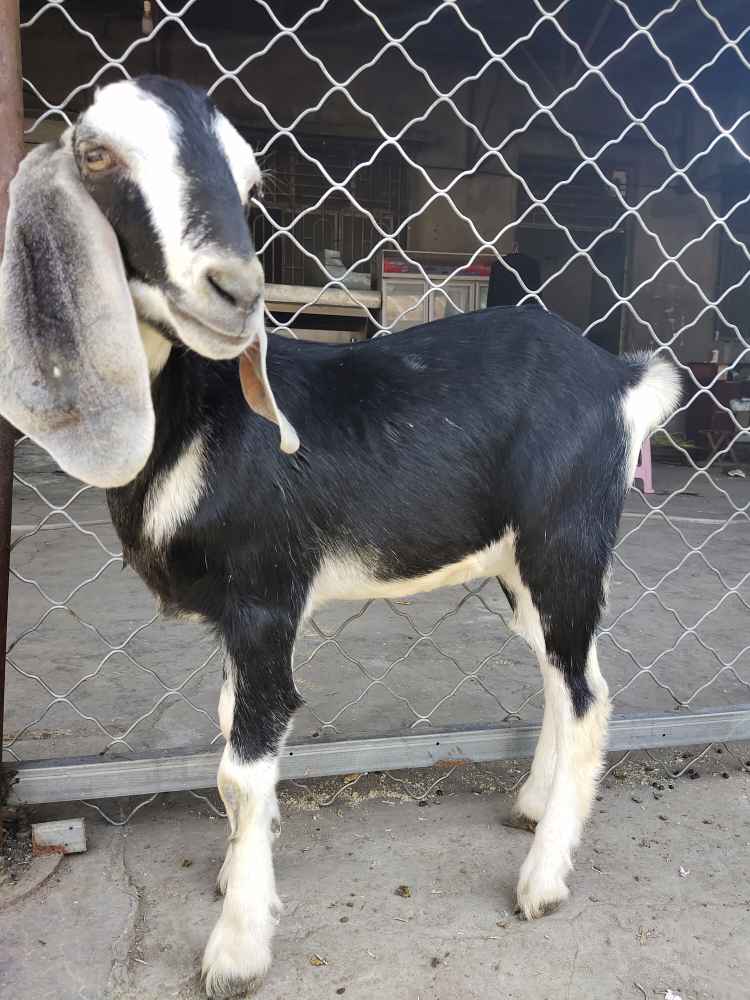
(11, 151)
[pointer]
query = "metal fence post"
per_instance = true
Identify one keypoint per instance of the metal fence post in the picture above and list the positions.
(11, 151)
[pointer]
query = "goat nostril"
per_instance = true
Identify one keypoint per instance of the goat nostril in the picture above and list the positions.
(217, 287)
(239, 284)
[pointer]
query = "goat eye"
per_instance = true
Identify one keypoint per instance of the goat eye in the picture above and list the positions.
(98, 159)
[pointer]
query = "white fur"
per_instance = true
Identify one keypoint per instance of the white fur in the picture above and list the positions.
(194, 617)
(226, 718)
(532, 799)
(579, 749)
(346, 577)
(226, 701)
(173, 499)
(534, 793)
(241, 159)
(238, 953)
(647, 404)
(156, 347)
(151, 303)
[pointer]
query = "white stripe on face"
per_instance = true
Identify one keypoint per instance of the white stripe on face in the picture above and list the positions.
(145, 134)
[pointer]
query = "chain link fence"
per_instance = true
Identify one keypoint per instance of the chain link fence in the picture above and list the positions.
(408, 149)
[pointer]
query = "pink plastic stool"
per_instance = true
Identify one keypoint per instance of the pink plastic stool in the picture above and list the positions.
(643, 469)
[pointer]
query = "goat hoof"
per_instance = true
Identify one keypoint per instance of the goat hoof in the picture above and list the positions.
(541, 884)
(542, 909)
(235, 962)
(226, 988)
(518, 821)
(537, 901)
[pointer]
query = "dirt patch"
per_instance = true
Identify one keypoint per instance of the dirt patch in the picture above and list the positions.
(649, 775)
(15, 844)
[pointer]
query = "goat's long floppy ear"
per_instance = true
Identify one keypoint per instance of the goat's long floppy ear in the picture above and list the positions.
(73, 373)
(259, 395)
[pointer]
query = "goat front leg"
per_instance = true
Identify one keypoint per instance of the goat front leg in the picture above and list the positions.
(257, 701)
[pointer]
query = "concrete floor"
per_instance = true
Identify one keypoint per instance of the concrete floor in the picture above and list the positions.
(128, 919)
(75, 688)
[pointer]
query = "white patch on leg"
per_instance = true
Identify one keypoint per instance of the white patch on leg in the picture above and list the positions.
(578, 759)
(592, 737)
(172, 499)
(526, 621)
(238, 953)
(226, 700)
(223, 877)
(534, 793)
(226, 717)
(532, 799)
(541, 883)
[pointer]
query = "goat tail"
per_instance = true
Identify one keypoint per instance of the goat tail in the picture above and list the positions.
(649, 401)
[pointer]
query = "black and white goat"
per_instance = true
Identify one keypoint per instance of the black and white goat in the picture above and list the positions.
(497, 443)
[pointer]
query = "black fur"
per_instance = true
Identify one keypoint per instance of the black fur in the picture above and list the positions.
(124, 206)
(417, 450)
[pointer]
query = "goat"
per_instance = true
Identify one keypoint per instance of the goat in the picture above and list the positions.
(496, 443)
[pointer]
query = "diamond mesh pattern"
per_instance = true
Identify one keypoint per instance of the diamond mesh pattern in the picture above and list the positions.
(642, 117)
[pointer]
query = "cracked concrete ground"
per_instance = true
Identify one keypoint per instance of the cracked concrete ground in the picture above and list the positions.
(128, 919)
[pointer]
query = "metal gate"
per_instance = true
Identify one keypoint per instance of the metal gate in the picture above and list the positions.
(610, 141)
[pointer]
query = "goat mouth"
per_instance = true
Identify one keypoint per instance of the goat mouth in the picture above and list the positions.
(204, 338)
(185, 315)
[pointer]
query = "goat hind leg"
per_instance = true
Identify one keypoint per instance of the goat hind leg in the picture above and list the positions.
(580, 740)
(531, 802)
